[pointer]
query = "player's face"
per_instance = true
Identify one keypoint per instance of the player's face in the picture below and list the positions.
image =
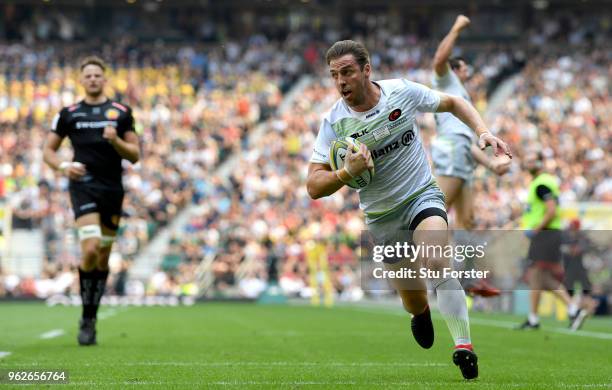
(463, 71)
(93, 80)
(350, 80)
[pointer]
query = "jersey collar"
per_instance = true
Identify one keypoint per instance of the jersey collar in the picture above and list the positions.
(374, 111)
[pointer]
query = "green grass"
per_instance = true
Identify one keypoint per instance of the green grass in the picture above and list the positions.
(238, 345)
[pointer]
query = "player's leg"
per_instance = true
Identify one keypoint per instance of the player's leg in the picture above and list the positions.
(586, 300)
(576, 315)
(432, 232)
(397, 229)
(451, 187)
(447, 158)
(586, 303)
(110, 215)
(104, 251)
(414, 301)
(564, 296)
(535, 282)
(464, 222)
(533, 320)
(106, 246)
(90, 235)
(464, 208)
(413, 293)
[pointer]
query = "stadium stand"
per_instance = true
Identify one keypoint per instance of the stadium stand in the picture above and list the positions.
(195, 113)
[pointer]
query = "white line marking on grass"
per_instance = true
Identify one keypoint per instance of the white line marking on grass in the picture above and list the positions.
(280, 364)
(499, 324)
(107, 314)
(60, 332)
(52, 334)
(4, 354)
(512, 325)
(320, 383)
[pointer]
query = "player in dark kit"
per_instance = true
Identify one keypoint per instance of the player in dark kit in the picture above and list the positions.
(102, 135)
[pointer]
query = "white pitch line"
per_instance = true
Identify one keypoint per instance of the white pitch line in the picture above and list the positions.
(499, 324)
(52, 334)
(281, 364)
(107, 314)
(60, 332)
(4, 354)
(511, 325)
(321, 383)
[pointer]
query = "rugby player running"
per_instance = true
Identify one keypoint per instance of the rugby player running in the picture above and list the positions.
(403, 195)
(102, 134)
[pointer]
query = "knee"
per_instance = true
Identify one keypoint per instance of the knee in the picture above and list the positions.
(415, 303)
(437, 263)
(104, 254)
(91, 250)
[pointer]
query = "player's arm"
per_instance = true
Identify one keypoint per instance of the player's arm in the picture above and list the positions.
(323, 181)
(445, 48)
(71, 169)
(463, 110)
(128, 147)
(498, 166)
(52, 144)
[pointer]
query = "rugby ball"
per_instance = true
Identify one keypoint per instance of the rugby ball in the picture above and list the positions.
(337, 153)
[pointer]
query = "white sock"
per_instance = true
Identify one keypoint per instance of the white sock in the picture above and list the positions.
(452, 306)
(572, 309)
(533, 318)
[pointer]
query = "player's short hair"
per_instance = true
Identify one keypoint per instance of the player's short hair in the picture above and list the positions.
(455, 62)
(92, 60)
(357, 49)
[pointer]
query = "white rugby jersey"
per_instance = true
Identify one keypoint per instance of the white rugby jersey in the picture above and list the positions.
(390, 132)
(447, 123)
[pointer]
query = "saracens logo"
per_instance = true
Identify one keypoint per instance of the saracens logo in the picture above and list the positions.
(395, 114)
(111, 114)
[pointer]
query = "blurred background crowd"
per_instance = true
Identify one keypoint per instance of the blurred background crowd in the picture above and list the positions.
(245, 91)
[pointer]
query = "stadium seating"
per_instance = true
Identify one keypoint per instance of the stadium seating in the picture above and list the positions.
(193, 114)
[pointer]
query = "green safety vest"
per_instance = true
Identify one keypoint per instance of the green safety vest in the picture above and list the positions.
(536, 207)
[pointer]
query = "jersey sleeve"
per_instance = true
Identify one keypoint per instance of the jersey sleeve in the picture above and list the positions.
(447, 81)
(59, 125)
(323, 142)
(126, 123)
(544, 193)
(425, 99)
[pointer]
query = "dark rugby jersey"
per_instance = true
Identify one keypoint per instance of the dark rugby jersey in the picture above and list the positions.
(84, 125)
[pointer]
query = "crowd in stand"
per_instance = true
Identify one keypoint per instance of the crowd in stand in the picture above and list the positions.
(259, 225)
(277, 219)
(188, 122)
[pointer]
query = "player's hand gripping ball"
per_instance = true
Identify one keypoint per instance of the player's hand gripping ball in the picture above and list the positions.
(360, 164)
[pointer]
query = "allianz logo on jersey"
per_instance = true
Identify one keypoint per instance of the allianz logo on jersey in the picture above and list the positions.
(95, 125)
(405, 140)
